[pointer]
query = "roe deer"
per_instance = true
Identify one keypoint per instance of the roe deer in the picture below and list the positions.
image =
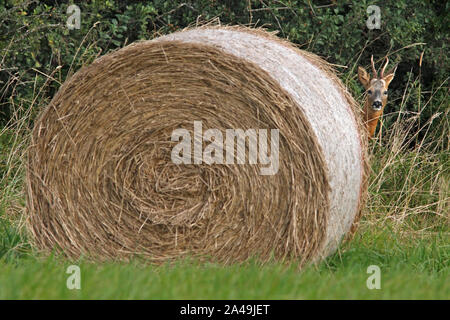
(377, 94)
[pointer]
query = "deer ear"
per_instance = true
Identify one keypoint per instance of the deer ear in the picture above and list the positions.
(363, 77)
(389, 77)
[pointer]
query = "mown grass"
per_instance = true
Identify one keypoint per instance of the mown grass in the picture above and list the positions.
(411, 268)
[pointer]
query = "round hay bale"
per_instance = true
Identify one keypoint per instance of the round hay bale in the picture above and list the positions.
(102, 182)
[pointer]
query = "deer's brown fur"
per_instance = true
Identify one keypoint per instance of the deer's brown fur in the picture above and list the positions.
(376, 88)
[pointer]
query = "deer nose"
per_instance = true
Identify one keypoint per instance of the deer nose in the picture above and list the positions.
(377, 105)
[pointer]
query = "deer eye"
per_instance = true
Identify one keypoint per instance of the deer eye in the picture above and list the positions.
(385, 92)
(369, 91)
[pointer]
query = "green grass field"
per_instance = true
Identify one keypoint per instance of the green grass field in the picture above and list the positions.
(411, 268)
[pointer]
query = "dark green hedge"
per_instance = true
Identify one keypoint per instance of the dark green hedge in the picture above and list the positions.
(34, 40)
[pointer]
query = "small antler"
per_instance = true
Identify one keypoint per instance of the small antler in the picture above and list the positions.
(385, 65)
(373, 68)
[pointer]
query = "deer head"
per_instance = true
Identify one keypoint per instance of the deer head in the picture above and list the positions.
(377, 94)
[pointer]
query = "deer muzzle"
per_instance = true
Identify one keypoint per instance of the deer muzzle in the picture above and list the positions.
(376, 105)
